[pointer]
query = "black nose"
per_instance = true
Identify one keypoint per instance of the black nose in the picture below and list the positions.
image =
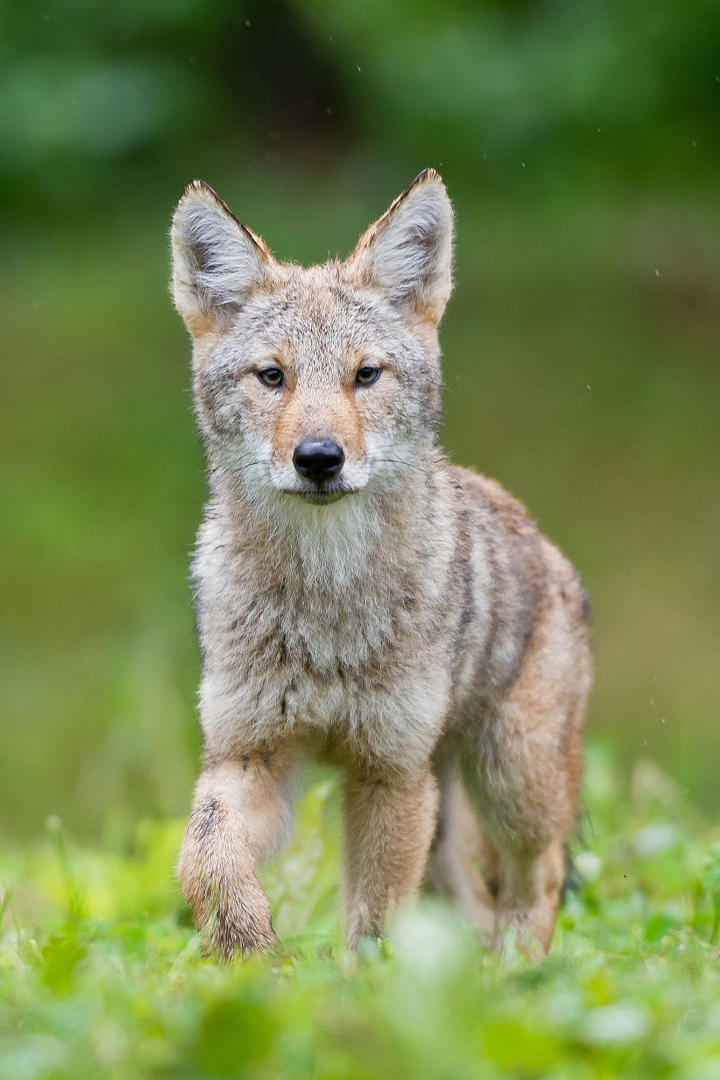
(318, 459)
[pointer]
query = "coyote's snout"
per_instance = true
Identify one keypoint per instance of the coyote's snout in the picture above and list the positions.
(362, 600)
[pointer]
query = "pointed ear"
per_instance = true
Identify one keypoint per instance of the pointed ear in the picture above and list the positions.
(408, 251)
(216, 260)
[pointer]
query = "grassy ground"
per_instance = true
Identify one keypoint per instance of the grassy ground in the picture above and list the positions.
(101, 975)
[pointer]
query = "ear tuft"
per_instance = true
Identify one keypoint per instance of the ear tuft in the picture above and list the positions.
(217, 261)
(408, 251)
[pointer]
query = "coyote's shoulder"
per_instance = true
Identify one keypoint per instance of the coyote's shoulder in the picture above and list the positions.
(359, 597)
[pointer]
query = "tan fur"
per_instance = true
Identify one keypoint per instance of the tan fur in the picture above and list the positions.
(389, 826)
(316, 415)
(404, 620)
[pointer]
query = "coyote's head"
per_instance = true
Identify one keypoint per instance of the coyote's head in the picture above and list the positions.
(316, 382)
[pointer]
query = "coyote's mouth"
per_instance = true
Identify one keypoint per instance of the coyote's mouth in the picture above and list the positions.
(322, 498)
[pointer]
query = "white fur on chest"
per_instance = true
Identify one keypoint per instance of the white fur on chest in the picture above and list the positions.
(397, 724)
(322, 633)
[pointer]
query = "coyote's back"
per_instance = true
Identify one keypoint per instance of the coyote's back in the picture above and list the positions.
(361, 599)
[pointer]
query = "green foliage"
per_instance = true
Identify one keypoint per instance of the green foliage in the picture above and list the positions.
(101, 974)
(499, 86)
(104, 100)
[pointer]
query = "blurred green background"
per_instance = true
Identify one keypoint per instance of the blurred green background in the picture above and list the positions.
(580, 144)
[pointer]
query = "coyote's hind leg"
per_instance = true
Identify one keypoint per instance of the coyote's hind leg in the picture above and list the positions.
(525, 798)
(457, 845)
(522, 768)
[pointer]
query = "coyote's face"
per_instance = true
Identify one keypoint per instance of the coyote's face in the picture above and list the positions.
(315, 382)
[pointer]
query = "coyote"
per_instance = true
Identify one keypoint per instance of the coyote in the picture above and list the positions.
(362, 601)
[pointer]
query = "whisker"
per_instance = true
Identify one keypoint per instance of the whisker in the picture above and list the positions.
(242, 467)
(397, 461)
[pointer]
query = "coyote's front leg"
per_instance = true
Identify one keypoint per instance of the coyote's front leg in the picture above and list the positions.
(390, 820)
(241, 813)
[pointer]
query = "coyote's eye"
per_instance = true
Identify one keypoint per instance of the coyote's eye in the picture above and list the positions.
(366, 376)
(271, 376)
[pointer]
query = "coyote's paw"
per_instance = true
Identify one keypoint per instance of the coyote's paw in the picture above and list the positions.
(232, 931)
(516, 934)
(233, 920)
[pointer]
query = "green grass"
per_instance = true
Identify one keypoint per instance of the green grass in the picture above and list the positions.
(101, 973)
